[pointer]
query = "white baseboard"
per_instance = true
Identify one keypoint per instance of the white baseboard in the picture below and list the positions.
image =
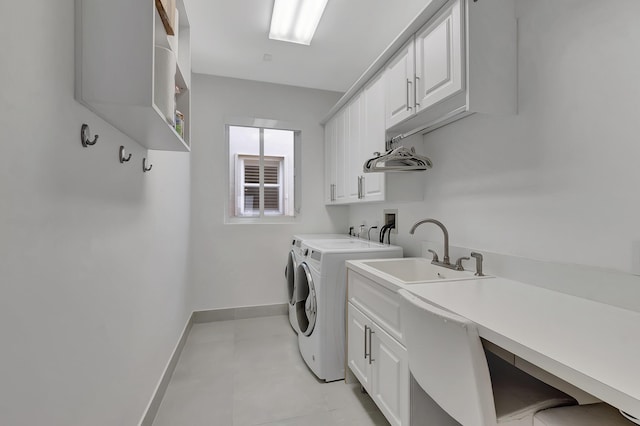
(240, 313)
(152, 409)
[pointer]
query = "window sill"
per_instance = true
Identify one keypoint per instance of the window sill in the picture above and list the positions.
(267, 220)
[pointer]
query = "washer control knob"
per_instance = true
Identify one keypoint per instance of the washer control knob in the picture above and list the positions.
(306, 252)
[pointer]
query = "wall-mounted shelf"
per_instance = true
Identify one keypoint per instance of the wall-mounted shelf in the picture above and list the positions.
(115, 69)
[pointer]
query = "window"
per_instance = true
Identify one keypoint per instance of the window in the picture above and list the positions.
(261, 163)
(248, 187)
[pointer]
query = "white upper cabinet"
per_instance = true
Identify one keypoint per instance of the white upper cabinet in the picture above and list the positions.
(342, 134)
(458, 57)
(399, 78)
(439, 60)
(464, 60)
(353, 155)
(330, 158)
(128, 69)
(359, 133)
(373, 129)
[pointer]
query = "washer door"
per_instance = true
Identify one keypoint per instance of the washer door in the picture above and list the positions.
(290, 274)
(306, 304)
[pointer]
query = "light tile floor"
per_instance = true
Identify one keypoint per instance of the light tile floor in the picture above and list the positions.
(250, 372)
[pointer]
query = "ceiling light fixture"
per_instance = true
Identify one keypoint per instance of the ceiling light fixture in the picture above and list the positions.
(296, 21)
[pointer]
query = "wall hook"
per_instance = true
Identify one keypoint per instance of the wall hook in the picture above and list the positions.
(124, 159)
(84, 136)
(144, 165)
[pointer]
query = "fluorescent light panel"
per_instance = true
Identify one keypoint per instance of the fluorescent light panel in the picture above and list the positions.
(296, 21)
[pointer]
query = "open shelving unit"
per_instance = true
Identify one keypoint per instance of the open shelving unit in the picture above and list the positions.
(115, 71)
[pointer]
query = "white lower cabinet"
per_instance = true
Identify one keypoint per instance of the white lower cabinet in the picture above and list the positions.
(380, 363)
(389, 376)
(358, 346)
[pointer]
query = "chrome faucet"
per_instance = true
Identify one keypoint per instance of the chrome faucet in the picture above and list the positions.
(445, 260)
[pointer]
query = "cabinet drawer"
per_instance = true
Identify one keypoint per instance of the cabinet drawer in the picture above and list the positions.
(379, 303)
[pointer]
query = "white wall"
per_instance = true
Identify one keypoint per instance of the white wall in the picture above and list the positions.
(243, 264)
(559, 181)
(93, 254)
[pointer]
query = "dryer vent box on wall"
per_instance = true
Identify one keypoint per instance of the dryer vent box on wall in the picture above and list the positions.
(391, 216)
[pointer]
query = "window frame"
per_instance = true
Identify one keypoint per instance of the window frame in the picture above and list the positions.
(295, 191)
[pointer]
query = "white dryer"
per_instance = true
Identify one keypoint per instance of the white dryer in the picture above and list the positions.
(295, 256)
(321, 297)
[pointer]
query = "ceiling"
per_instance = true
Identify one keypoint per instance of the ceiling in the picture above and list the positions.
(230, 38)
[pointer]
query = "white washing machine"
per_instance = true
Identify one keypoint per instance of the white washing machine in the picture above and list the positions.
(294, 258)
(321, 297)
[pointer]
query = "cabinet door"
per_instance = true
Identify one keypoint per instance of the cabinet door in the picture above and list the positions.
(353, 152)
(358, 345)
(399, 92)
(342, 136)
(330, 159)
(373, 139)
(439, 57)
(390, 377)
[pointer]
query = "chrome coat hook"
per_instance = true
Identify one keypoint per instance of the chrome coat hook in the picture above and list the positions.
(124, 159)
(84, 136)
(144, 165)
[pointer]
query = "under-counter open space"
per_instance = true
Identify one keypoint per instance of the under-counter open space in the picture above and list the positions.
(577, 345)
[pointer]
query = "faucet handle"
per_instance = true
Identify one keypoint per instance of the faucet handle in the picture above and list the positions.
(459, 263)
(435, 256)
(478, 257)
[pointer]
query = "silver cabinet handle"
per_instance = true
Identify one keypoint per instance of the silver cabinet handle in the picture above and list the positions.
(366, 328)
(409, 107)
(362, 187)
(370, 353)
(332, 191)
(416, 93)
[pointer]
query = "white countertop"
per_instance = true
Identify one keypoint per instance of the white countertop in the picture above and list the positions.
(592, 345)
